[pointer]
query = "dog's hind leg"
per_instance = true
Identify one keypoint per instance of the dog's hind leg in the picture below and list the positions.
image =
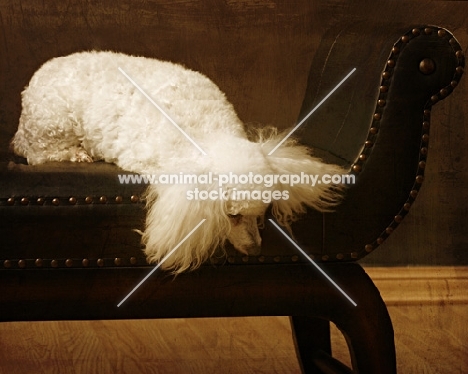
(74, 154)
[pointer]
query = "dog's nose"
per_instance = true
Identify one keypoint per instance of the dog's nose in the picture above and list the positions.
(254, 250)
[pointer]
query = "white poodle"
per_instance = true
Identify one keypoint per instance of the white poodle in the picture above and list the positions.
(82, 108)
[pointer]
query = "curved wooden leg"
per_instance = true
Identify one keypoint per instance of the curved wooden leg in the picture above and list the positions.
(370, 338)
(310, 335)
(366, 327)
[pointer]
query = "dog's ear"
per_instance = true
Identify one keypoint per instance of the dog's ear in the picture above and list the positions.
(315, 187)
(173, 211)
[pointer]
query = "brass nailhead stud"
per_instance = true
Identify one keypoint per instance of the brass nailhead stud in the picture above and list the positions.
(38, 262)
(85, 262)
(118, 199)
(377, 116)
(428, 31)
(7, 264)
(294, 258)
(261, 259)
(419, 179)
(459, 53)
(405, 39)
(424, 151)
(425, 138)
(368, 144)
(357, 168)
(354, 255)
(11, 201)
(398, 218)
(369, 248)
(245, 258)
(24, 201)
(443, 92)
(362, 157)
(427, 66)
(134, 199)
(325, 258)
(459, 69)
(384, 89)
(434, 98)
(381, 103)
(231, 260)
(22, 264)
(422, 164)
(72, 200)
(454, 84)
(415, 32)
(407, 206)
(56, 201)
(395, 50)
(414, 194)
(133, 260)
(441, 33)
(54, 263)
(386, 75)
(340, 256)
(277, 259)
(425, 125)
(68, 262)
(391, 63)
(380, 240)
(374, 130)
(427, 112)
(103, 199)
(88, 199)
(389, 230)
(100, 262)
(117, 261)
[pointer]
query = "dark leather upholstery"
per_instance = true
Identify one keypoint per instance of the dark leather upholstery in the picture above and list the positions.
(68, 248)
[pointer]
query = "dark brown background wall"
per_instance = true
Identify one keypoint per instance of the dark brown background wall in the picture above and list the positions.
(259, 52)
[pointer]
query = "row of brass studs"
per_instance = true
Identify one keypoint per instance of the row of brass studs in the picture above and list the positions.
(257, 259)
(133, 261)
(56, 201)
(426, 67)
(283, 259)
(69, 263)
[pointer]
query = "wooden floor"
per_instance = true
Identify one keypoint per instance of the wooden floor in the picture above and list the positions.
(430, 338)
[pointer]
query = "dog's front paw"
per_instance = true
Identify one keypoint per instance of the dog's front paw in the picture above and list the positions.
(80, 155)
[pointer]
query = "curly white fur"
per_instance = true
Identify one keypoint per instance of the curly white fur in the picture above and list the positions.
(81, 108)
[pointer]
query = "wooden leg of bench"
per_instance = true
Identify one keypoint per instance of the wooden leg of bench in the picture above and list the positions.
(311, 335)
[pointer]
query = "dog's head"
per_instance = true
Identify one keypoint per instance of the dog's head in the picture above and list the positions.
(171, 217)
(245, 220)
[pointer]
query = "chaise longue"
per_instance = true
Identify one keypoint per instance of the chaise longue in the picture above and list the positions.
(69, 249)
